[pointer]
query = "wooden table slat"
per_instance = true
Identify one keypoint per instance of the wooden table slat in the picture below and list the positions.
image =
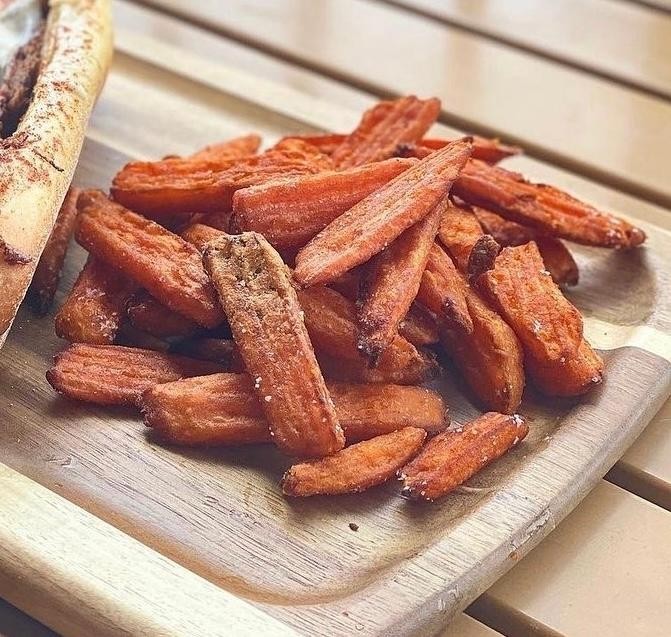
(571, 118)
(620, 40)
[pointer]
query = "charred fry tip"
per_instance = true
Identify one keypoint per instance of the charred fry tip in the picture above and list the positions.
(482, 257)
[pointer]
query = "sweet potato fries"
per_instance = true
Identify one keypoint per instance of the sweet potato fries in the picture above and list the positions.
(302, 296)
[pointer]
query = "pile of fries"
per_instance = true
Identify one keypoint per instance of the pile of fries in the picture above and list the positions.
(299, 296)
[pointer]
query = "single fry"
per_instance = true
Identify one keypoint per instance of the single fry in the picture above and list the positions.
(96, 305)
(559, 262)
(356, 468)
(232, 149)
(390, 285)
(326, 143)
(456, 455)
(489, 358)
(222, 409)
(545, 208)
(149, 315)
(115, 375)
(168, 267)
(443, 290)
(459, 231)
(48, 272)
(549, 327)
(291, 212)
(373, 223)
(331, 321)
(383, 128)
(267, 324)
(183, 186)
(199, 235)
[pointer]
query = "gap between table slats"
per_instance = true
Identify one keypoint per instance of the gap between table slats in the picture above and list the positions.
(575, 120)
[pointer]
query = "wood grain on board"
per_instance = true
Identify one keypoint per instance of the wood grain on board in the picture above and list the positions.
(585, 123)
(622, 41)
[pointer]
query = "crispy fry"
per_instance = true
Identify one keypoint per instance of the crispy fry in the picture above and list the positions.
(443, 289)
(373, 223)
(199, 235)
(232, 149)
(459, 231)
(483, 255)
(356, 468)
(305, 151)
(390, 284)
(543, 207)
(168, 267)
(180, 187)
(455, 455)
(291, 212)
(330, 319)
(94, 308)
(267, 324)
(48, 272)
(491, 151)
(547, 324)
(115, 375)
(149, 315)
(222, 409)
(559, 262)
(383, 128)
(326, 143)
(489, 358)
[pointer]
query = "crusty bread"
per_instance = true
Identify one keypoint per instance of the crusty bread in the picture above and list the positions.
(38, 160)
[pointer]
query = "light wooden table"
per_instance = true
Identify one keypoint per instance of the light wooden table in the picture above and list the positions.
(595, 76)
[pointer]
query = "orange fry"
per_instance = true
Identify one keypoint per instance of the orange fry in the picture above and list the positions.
(558, 260)
(356, 468)
(222, 409)
(267, 324)
(330, 319)
(543, 207)
(390, 284)
(168, 267)
(455, 455)
(180, 187)
(291, 212)
(383, 128)
(489, 358)
(95, 307)
(48, 271)
(443, 289)
(232, 149)
(491, 151)
(326, 143)
(199, 235)
(373, 223)
(115, 375)
(549, 327)
(459, 231)
(149, 315)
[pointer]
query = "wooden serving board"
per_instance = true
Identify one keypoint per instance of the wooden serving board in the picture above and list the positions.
(106, 532)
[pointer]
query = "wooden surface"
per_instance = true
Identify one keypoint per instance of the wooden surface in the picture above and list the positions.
(184, 507)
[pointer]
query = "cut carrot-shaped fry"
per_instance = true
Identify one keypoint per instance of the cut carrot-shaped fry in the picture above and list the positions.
(543, 207)
(443, 289)
(558, 260)
(174, 187)
(384, 127)
(455, 455)
(390, 284)
(168, 267)
(330, 319)
(222, 409)
(326, 143)
(149, 315)
(96, 305)
(48, 271)
(199, 235)
(232, 149)
(356, 468)
(491, 151)
(290, 212)
(373, 223)
(115, 375)
(459, 231)
(489, 358)
(267, 324)
(549, 327)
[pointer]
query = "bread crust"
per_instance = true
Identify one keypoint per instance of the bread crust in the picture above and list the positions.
(37, 162)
